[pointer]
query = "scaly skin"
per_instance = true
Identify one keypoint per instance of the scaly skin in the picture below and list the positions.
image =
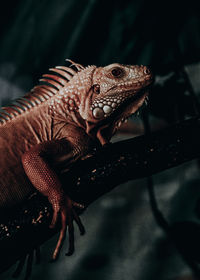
(64, 118)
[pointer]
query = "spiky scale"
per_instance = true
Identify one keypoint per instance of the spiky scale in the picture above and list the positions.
(55, 78)
(5, 113)
(51, 91)
(4, 116)
(52, 83)
(67, 69)
(78, 66)
(25, 103)
(62, 73)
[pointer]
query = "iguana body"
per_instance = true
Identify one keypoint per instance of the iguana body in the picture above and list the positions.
(61, 120)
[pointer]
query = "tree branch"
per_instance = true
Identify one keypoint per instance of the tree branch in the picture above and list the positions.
(27, 227)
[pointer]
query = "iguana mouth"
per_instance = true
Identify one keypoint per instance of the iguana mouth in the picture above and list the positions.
(113, 108)
(106, 106)
(127, 108)
(130, 108)
(108, 126)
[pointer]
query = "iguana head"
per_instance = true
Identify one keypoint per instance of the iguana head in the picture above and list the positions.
(117, 91)
(98, 98)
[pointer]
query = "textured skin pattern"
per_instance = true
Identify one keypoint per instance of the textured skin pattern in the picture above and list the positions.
(45, 178)
(60, 121)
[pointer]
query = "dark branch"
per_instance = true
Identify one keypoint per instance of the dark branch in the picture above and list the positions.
(26, 228)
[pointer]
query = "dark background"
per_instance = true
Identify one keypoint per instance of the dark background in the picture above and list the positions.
(123, 241)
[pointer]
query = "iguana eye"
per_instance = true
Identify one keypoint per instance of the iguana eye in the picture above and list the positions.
(117, 72)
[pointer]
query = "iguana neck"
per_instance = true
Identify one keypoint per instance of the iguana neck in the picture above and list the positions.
(72, 117)
(66, 105)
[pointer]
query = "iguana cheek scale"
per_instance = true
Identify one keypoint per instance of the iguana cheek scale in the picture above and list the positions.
(65, 116)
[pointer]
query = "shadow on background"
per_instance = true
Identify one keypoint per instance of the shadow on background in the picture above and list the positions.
(123, 241)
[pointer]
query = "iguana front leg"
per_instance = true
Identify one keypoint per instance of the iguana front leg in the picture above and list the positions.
(46, 181)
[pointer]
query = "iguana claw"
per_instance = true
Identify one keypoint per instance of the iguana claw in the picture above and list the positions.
(68, 214)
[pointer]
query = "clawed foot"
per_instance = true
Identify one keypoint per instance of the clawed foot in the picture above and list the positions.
(68, 215)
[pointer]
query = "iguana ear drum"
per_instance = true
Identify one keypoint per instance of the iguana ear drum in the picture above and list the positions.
(96, 88)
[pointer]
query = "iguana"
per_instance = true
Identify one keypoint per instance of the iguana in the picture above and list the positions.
(72, 110)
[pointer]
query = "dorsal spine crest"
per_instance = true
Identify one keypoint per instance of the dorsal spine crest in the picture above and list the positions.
(71, 95)
(56, 87)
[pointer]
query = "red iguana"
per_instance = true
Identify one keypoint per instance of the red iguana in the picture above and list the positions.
(72, 110)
